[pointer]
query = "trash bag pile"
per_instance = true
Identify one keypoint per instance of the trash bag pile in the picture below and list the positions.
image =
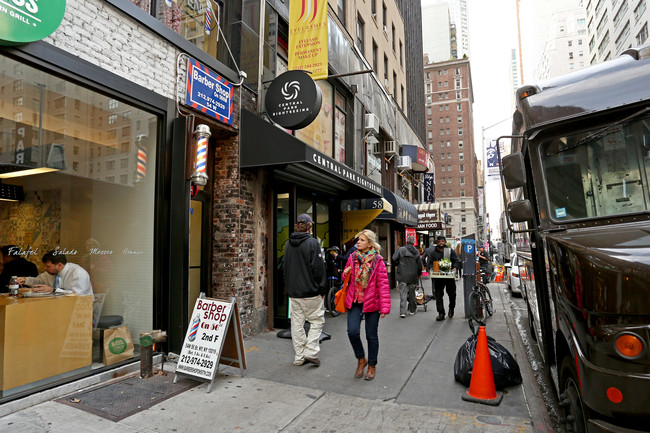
(504, 367)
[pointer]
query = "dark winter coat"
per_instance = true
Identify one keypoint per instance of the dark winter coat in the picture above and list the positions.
(304, 267)
(409, 264)
(433, 254)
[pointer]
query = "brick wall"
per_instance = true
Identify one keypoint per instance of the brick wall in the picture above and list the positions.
(97, 32)
(240, 232)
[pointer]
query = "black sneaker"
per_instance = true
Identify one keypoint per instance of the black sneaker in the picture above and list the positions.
(438, 319)
(451, 313)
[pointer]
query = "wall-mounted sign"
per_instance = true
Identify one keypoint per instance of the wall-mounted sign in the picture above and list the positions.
(293, 100)
(429, 195)
(308, 37)
(23, 21)
(208, 92)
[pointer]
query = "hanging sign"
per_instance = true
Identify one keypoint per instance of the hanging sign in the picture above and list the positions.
(208, 92)
(308, 37)
(24, 21)
(293, 100)
(213, 337)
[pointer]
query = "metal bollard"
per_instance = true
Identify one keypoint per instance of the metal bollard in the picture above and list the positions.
(146, 355)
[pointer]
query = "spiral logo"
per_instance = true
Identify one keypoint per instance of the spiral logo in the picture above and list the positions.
(290, 90)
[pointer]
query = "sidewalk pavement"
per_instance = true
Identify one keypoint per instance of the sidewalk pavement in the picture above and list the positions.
(414, 389)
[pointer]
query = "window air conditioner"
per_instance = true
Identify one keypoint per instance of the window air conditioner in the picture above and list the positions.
(404, 163)
(376, 149)
(390, 148)
(386, 30)
(372, 123)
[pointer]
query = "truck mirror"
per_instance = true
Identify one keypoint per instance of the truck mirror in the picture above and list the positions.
(520, 211)
(514, 173)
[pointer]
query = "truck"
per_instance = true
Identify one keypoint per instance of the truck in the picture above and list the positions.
(576, 184)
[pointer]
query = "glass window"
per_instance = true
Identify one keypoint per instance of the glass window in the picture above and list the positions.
(361, 26)
(320, 133)
(602, 174)
(103, 227)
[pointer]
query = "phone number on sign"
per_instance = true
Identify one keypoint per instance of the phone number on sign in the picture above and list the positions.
(192, 360)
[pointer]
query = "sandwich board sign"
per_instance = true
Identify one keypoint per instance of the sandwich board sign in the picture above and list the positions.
(213, 337)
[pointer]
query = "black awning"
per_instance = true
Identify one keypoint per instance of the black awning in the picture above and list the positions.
(403, 211)
(263, 145)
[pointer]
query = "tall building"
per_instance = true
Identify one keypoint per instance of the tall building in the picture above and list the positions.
(449, 99)
(437, 32)
(458, 19)
(566, 44)
(614, 26)
(412, 17)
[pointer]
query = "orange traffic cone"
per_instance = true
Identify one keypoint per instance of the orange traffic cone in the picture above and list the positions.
(481, 386)
(499, 277)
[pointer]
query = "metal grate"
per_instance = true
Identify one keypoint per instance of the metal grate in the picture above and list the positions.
(122, 399)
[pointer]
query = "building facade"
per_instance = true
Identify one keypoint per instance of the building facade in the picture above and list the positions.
(566, 44)
(100, 126)
(449, 98)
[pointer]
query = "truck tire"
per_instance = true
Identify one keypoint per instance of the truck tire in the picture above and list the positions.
(573, 412)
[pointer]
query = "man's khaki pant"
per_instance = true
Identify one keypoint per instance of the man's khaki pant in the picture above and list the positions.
(312, 310)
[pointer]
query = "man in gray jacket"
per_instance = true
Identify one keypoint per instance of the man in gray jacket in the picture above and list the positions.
(409, 269)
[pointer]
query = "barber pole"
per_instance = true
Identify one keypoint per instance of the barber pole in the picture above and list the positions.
(200, 176)
(141, 163)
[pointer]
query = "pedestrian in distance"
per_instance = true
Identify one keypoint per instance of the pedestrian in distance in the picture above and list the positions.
(484, 264)
(369, 296)
(439, 285)
(409, 269)
(306, 285)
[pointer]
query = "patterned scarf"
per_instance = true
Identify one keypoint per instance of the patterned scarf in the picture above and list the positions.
(363, 266)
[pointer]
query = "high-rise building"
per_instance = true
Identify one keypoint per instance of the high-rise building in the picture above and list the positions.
(449, 99)
(614, 26)
(436, 32)
(566, 44)
(458, 21)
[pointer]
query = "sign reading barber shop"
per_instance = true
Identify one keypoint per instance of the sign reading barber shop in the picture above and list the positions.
(293, 100)
(208, 92)
(24, 21)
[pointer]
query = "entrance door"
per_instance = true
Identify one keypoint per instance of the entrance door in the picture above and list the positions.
(289, 204)
(199, 248)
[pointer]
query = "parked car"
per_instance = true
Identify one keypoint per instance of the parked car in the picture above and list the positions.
(512, 271)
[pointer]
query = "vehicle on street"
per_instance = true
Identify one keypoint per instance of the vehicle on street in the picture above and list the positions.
(512, 275)
(577, 188)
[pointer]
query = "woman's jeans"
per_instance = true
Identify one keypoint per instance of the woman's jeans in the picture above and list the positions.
(354, 332)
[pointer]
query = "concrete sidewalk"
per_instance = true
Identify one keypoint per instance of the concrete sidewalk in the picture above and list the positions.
(414, 389)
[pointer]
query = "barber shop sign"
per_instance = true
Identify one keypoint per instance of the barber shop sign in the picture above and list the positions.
(24, 21)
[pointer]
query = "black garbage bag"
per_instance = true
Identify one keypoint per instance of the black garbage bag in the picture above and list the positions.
(504, 367)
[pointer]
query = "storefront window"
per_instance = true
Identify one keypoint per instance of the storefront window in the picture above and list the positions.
(319, 134)
(84, 165)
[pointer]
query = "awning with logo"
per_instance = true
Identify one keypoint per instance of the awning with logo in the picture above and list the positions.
(403, 212)
(262, 144)
(430, 216)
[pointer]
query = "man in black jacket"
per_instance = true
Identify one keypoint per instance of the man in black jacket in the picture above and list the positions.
(409, 268)
(306, 284)
(433, 254)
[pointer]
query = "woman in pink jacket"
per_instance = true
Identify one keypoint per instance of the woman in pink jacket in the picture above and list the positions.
(369, 295)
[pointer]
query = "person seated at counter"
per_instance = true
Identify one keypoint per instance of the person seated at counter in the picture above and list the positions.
(59, 276)
(14, 265)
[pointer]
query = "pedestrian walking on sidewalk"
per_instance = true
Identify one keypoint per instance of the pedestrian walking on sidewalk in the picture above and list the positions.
(306, 284)
(409, 269)
(369, 296)
(433, 254)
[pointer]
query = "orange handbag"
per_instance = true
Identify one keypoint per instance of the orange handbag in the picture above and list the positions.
(339, 297)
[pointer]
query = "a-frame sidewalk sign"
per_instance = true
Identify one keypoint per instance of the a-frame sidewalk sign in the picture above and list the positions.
(213, 337)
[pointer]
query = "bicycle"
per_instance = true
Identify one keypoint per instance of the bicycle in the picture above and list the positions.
(481, 303)
(334, 286)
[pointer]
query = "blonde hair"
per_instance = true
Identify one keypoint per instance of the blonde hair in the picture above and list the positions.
(372, 237)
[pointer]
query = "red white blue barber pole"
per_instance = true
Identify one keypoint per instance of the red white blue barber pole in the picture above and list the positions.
(141, 161)
(200, 176)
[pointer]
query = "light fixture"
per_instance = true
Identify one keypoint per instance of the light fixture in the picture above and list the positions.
(11, 192)
(26, 172)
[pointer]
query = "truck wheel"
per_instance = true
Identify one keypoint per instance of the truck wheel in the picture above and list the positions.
(574, 414)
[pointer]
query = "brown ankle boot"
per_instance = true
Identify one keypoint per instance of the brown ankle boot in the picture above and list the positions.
(360, 367)
(371, 372)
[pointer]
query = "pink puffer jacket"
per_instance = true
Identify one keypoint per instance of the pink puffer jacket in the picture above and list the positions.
(377, 295)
